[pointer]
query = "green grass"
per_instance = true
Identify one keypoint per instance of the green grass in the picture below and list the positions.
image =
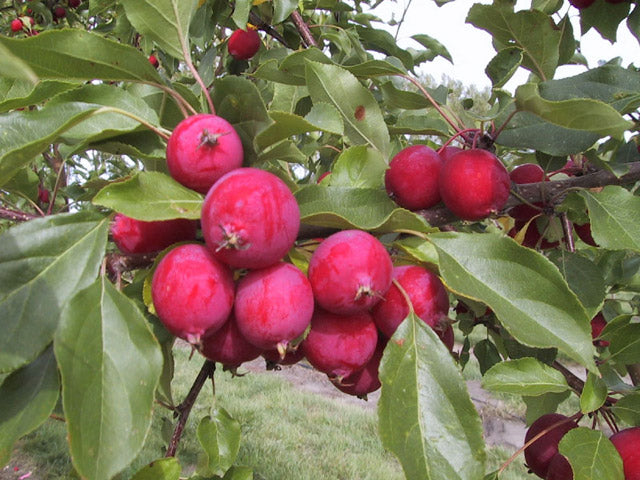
(287, 433)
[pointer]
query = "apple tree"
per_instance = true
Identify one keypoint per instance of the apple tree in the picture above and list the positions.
(522, 222)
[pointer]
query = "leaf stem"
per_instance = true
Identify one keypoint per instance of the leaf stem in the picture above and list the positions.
(183, 410)
(158, 130)
(187, 59)
(432, 101)
(184, 106)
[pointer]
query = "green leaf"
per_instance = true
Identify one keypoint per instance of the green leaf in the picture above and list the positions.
(363, 120)
(430, 123)
(575, 114)
(359, 167)
(43, 262)
(110, 363)
(240, 14)
(291, 70)
(524, 376)
(12, 66)
(282, 9)
(627, 408)
(594, 394)
(524, 289)
(532, 31)
(374, 68)
(526, 130)
(487, 354)
(26, 134)
(542, 404)
(383, 42)
(362, 208)
(633, 22)
(166, 22)
(605, 17)
(584, 278)
(161, 469)
(502, 67)
(27, 397)
(591, 455)
(615, 218)
(425, 415)
(80, 55)
(142, 145)
(219, 435)
(109, 123)
(18, 94)
(623, 336)
(433, 46)
(322, 117)
(285, 151)
(151, 196)
(238, 473)
(418, 248)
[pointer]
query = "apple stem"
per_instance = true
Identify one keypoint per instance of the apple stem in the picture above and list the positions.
(567, 228)
(182, 411)
(185, 107)
(496, 133)
(461, 132)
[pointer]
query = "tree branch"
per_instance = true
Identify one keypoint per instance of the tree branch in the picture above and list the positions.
(303, 29)
(577, 383)
(254, 19)
(15, 215)
(184, 408)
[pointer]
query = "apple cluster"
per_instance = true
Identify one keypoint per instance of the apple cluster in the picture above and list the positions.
(234, 298)
(472, 183)
(25, 23)
(544, 460)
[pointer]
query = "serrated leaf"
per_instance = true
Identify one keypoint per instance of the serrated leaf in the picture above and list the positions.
(502, 67)
(627, 408)
(34, 257)
(430, 123)
(240, 14)
(593, 394)
(436, 48)
(282, 9)
(530, 30)
(614, 214)
(383, 42)
(110, 364)
(362, 208)
(166, 22)
(418, 248)
(524, 289)
(374, 68)
(322, 117)
(363, 120)
(12, 66)
(591, 455)
(524, 376)
(219, 436)
(151, 196)
(605, 17)
(584, 278)
(633, 22)
(397, 98)
(18, 94)
(487, 355)
(542, 404)
(425, 415)
(624, 341)
(359, 167)
(526, 130)
(27, 397)
(161, 469)
(80, 55)
(576, 114)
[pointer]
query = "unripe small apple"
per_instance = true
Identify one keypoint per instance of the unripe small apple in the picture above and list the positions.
(243, 44)
(59, 12)
(474, 184)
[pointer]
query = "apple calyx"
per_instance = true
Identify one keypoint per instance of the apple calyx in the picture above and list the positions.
(210, 139)
(231, 239)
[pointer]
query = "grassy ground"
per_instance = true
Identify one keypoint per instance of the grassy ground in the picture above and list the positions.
(288, 434)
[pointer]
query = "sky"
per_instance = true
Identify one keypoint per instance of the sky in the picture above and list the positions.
(471, 48)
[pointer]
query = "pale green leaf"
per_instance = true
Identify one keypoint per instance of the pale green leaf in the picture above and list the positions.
(524, 376)
(161, 469)
(110, 363)
(360, 166)
(151, 196)
(593, 394)
(591, 455)
(523, 288)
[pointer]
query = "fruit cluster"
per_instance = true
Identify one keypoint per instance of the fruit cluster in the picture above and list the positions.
(26, 22)
(472, 183)
(544, 435)
(234, 298)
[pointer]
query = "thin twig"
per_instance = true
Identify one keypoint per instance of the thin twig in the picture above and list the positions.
(255, 20)
(16, 215)
(567, 228)
(432, 101)
(185, 407)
